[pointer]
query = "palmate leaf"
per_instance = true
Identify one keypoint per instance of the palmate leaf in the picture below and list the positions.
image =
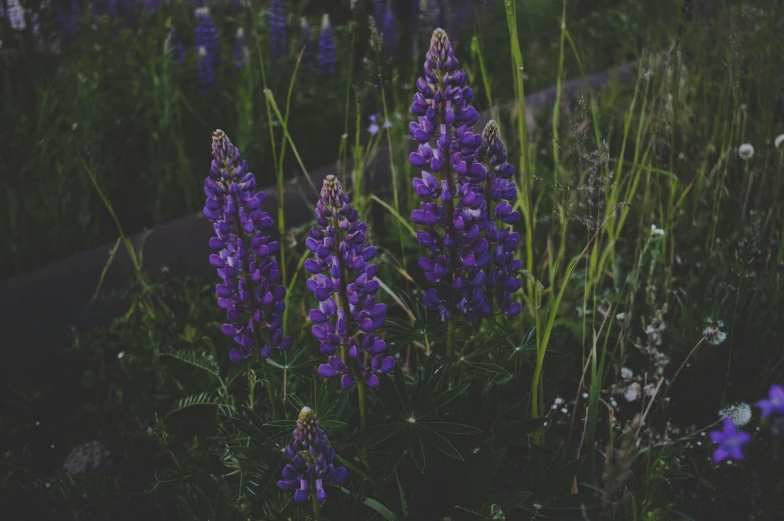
(450, 428)
(380, 509)
(197, 399)
(441, 443)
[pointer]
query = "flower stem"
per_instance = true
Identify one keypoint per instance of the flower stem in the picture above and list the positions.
(361, 393)
(268, 385)
(316, 506)
(450, 338)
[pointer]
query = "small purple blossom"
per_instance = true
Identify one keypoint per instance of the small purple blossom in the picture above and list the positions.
(326, 51)
(775, 402)
(344, 285)
(312, 461)
(277, 29)
(730, 441)
(251, 292)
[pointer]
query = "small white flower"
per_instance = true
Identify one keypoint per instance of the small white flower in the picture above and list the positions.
(48, 484)
(120, 355)
(585, 395)
(713, 333)
(632, 392)
(626, 373)
(739, 413)
(656, 231)
(564, 410)
(746, 151)
(558, 400)
(37, 424)
(202, 50)
(779, 141)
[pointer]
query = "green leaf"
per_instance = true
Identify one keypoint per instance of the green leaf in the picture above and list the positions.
(441, 443)
(373, 435)
(279, 424)
(403, 502)
(184, 510)
(511, 500)
(418, 452)
(197, 399)
(332, 424)
(492, 368)
(396, 215)
(222, 504)
(195, 359)
(375, 505)
(356, 470)
(450, 428)
(443, 399)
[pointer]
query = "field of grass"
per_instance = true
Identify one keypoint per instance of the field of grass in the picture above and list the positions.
(650, 241)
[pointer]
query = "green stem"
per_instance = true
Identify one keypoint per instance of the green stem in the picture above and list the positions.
(450, 339)
(362, 410)
(268, 385)
(316, 506)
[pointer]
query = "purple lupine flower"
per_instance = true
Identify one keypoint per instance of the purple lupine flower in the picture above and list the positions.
(730, 441)
(68, 20)
(503, 272)
(388, 31)
(173, 46)
(239, 48)
(206, 70)
(16, 16)
(312, 461)
(775, 402)
(344, 285)
(307, 42)
(251, 293)
(206, 35)
(326, 50)
(378, 12)
(453, 211)
(152, 5)
(277, 29)
(111, 8)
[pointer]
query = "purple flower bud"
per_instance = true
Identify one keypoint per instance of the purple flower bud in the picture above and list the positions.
(326, 50)
(312, 459)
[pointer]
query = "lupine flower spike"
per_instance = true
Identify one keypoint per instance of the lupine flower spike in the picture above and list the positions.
(206, 70)
(173, 47)
(344, 285)
(277, 29)
(730, 441)
(307, 42)
(503, 272)
(388, 31)
(326, 51)
(16, 16)
(239, 48)
(206, 35)
(312, 460)
(453, 210)
(251, 292)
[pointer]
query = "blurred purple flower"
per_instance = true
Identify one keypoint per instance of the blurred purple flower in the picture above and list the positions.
(16, 16)
(775, 402)
(206, 35)
(344, 285)
(388, 31)
(312, 461)
(326, 51)
(730, 441)
(277, 29)
(251, 293)
(206, 70)
(307, 42)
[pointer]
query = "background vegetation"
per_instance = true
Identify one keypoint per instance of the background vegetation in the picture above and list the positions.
(652, 305)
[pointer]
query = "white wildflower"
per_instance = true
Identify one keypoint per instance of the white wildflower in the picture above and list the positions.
(739, 413)
(626, 373)
(632, 392)
(779, 141)
(656, 231)
(713, 333)
(746, 151)
(120, 355)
